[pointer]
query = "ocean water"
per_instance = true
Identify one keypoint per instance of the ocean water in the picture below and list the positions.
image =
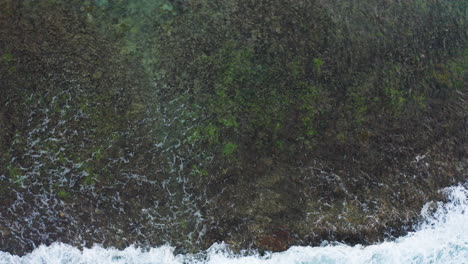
(441, 237)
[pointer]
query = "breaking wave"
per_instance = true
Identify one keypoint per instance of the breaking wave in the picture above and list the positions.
(441, 237)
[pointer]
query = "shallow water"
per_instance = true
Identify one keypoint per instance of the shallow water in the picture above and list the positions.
(441, 237)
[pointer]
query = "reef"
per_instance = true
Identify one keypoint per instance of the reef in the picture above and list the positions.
(263, 124)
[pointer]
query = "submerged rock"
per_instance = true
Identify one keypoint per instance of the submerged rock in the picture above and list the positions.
(257, 124)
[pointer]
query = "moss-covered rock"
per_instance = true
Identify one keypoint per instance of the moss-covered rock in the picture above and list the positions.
(264, 124)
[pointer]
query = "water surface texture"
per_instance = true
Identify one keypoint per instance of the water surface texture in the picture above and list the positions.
(184, 126)
(441, 237)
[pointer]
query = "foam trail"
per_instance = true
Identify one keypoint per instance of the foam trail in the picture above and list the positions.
(441, 238)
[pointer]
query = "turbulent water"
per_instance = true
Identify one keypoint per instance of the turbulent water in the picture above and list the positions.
(441, 237)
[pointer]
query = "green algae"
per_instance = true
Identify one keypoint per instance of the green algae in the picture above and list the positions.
(238, 104)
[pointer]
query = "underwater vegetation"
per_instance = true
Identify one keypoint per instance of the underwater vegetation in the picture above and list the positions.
(263, 124)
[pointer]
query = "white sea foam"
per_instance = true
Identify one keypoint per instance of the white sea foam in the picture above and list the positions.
(441, 238)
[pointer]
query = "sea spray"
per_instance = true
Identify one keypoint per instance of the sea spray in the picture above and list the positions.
(442, 237)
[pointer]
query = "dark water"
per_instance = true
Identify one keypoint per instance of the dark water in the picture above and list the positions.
(263, 125)
(442, 237)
